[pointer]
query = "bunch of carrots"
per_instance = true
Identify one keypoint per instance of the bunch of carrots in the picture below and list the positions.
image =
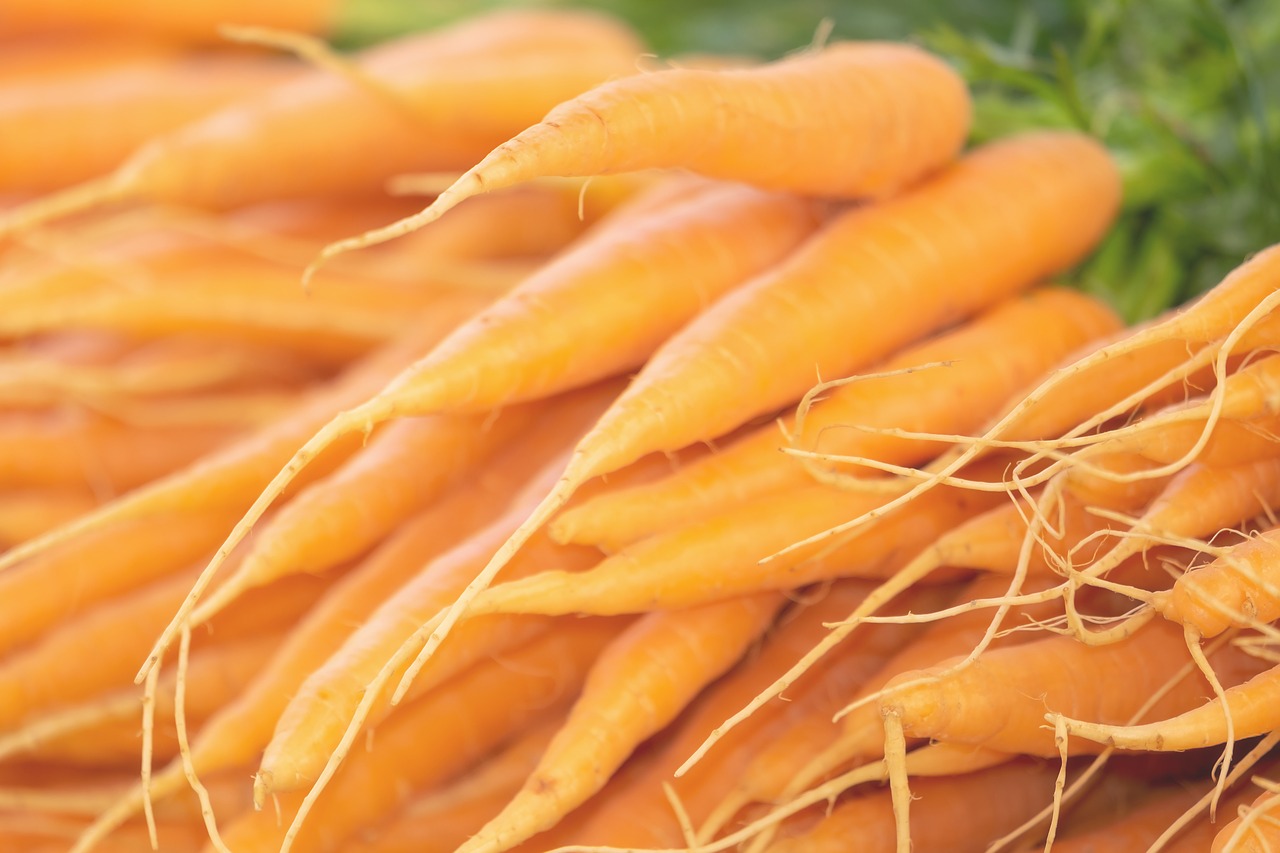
(711, 464)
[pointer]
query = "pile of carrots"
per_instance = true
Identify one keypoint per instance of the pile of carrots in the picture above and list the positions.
(711, 464)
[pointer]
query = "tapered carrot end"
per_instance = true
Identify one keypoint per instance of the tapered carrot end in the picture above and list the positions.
(114, 187)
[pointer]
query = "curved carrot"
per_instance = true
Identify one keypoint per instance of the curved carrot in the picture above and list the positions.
(892, 113)
(983, 362)
(517, 65)
(1251, 706)
(1239, 588)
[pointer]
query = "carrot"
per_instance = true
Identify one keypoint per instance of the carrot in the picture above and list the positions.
(79, 449)
(634, 811)
(28, 513)
(98, 118)
(313, 724)
(464, 87)
(437, 736)
(104, 732)
(507, 353)
(950, 814)
(106, 562)
(791, 762)
(982, 362)
(250, 300)
(198, 21)
(53, 57)
(1140, 827)
(639, 684)
(238, 734)
(720, 556)
(1199, 502)
(1246, 708)
(1257, 828)
(990, 702)
(171, 366)
(660, 120)
(1239, 588)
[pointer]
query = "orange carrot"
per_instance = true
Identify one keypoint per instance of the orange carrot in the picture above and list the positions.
(313, 724)
(108, 561)
(1256, 830)
(951, 814)
(983, 362)
(80, 449)
(100, 117)
(464, 88)
(1250, 706)
(999, 700)
(1238, 588)
(196, 21)
(720, 556)
(27, 513)
(437, 736)
(639, 684)
(661, 119)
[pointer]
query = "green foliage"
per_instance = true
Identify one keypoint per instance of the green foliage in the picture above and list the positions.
(1186, 93)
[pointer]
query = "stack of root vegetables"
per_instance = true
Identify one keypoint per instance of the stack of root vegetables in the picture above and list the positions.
(780, 501)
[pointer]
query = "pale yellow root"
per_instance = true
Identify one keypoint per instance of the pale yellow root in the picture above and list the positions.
(1059, 784)
(148, 745)
(317, 52)
(895, 761)
(681, 814)
(184, 744)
